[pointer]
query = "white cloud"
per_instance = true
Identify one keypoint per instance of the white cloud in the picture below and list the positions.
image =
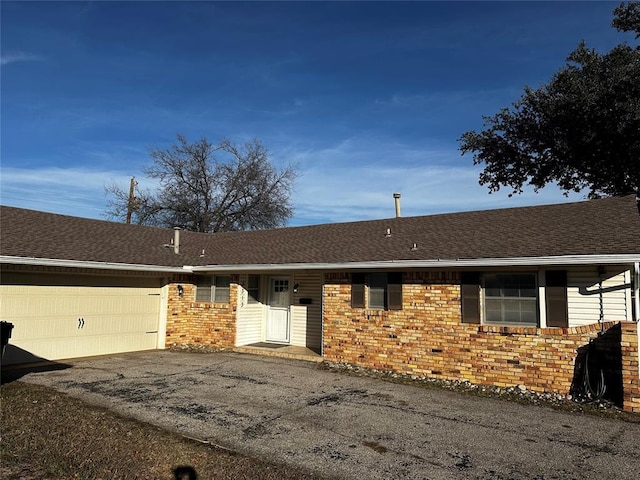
(73, 191)
(356, 179)
(351, 181)
(13, 57)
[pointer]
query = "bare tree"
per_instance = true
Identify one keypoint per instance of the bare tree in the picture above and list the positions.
(210, 188)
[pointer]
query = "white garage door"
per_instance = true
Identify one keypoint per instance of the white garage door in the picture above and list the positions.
(67, 317)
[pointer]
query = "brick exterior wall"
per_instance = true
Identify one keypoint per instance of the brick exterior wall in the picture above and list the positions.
(630, 367)
(200, 323)
(428, 339)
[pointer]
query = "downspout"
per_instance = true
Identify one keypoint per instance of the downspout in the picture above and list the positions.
(636, 291)
(601, 272)
(636, 302)
(322, 302)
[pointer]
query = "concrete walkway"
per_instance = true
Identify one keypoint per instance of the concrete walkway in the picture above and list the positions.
(349, 427)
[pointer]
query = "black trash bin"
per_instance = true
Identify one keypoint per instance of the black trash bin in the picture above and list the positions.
(5, 333)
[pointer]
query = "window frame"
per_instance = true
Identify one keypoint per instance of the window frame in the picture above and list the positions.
(509, 296)
(218, 286)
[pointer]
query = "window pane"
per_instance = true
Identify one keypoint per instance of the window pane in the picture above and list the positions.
(528, 314)
(511, 299)
(493, 311)
(253, 288)
(221, 295)
(203, 289)
(492, 286)
(376, 297)
(281, 286)
(279, 293)
(378, 280)
(222, 290)
(254, 282)
(377, 283)
(510, 285)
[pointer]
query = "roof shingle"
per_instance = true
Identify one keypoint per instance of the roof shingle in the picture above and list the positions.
(596, 227)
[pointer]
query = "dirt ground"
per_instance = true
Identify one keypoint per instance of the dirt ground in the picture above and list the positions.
(48, 435)
(338, 425)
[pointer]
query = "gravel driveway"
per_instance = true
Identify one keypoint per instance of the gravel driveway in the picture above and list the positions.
(350, 427)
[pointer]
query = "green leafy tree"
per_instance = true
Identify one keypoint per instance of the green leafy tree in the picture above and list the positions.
(581, 130)
(210, 188)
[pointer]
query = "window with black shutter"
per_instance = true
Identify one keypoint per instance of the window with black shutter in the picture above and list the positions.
(394, 291)
(357, 290)
(556, 298)
(470, 297)
(377, 291)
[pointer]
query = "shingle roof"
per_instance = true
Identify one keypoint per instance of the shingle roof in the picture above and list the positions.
(596, 227)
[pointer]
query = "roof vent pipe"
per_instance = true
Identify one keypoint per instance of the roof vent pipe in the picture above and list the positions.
(176, 240)
(396, 196)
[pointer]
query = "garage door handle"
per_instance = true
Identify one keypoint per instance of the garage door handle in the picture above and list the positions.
(80, 323)
(155, 331)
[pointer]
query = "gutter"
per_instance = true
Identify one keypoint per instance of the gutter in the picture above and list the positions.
(383, 265)
(52, 262)
(436, 263)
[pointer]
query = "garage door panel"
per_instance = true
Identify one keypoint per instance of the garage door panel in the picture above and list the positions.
(56, 321)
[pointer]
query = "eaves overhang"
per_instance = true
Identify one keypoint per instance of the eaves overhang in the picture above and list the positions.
(430, 264)
(54, 262)
(381, 265)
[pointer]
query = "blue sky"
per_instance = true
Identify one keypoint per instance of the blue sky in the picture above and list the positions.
(366, 98)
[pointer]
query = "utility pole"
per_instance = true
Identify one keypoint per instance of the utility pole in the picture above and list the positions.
(132, 199)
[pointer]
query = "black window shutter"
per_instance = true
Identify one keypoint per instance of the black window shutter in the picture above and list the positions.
(357, 290)
(394, 291)
(556, 298)
(470, 297)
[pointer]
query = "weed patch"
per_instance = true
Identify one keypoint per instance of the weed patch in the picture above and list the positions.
(49, 435)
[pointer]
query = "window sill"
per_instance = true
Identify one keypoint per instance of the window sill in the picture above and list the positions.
(210, 304)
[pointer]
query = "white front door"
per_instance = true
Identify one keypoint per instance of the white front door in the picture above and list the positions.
(278, 317)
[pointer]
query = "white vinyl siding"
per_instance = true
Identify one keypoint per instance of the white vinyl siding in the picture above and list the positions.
(249, 326)
(583, 295)
(250, 315)
(306, 319)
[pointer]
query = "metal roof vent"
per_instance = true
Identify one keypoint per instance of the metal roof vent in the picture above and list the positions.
(396, 196)
(176, 240)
